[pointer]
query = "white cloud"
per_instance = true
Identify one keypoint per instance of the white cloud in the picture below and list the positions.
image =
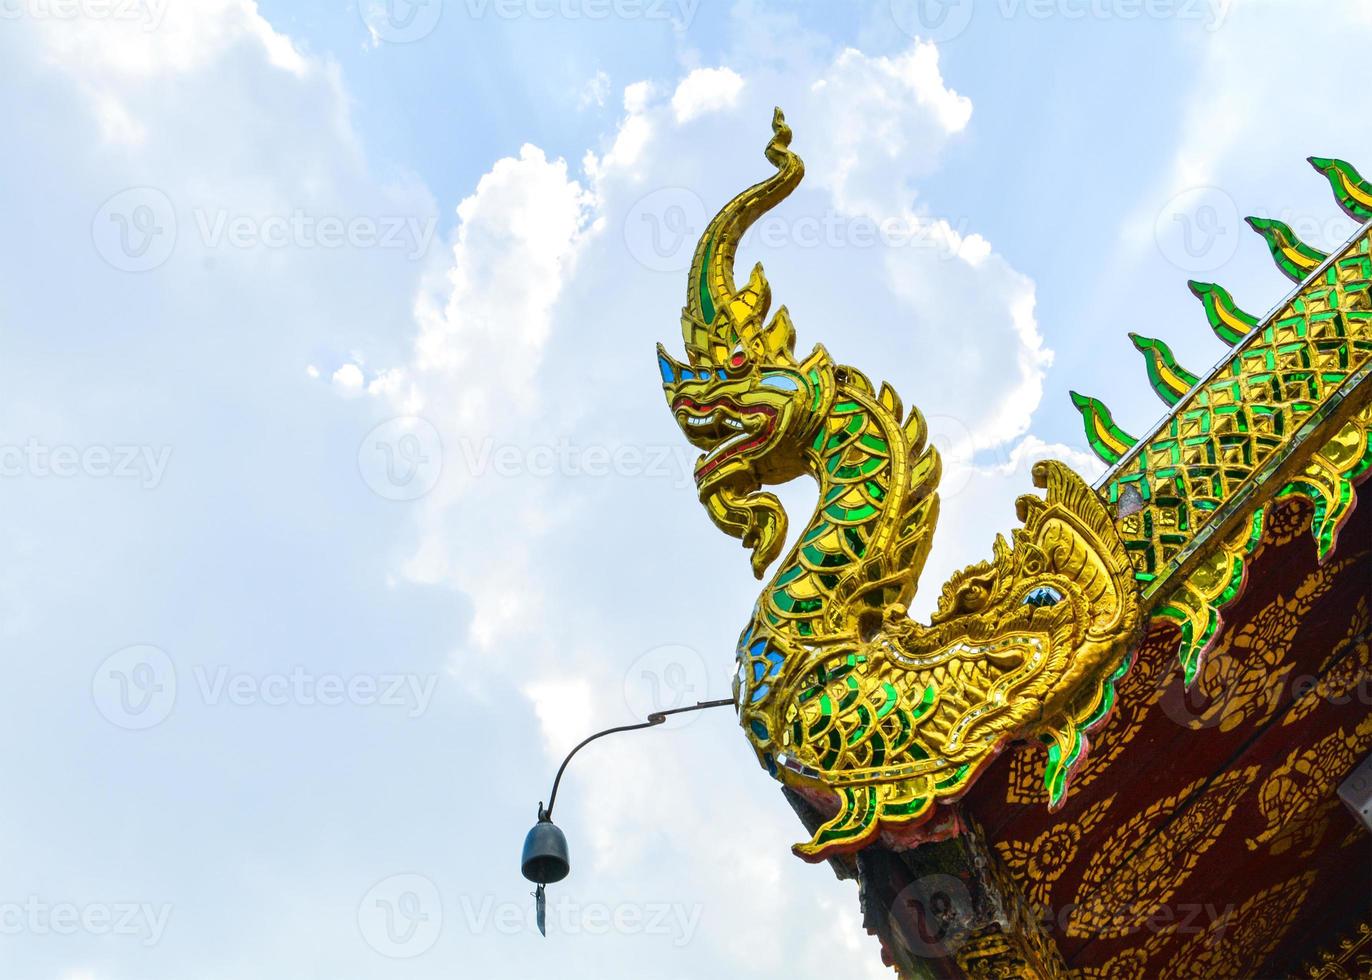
(475, 375)
(706, 90)
(1031, 449)
(564, 711)
(637, 95)
(115, 57)
(1239, 103)
(886, 121)
(632, 136)
(347, 380)
(595, 91)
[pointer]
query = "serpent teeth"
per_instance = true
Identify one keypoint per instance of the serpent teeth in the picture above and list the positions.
(733, 423)
(701, 420)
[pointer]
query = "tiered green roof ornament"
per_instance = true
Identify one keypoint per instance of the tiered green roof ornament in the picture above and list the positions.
(1284, 415)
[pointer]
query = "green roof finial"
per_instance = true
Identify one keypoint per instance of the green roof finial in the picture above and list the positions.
(1230, 323)
(1293, 256)
(1352, 192)
(1169, 379)
(1107, 440)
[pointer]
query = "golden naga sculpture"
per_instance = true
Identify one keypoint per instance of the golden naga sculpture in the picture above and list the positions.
(870, 715)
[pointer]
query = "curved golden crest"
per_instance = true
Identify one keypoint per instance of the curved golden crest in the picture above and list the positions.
(870, 715)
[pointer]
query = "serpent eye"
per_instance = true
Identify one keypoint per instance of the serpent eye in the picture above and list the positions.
(1044, 595)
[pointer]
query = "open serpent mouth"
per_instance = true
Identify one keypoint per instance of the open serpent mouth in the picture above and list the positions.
(722, 429)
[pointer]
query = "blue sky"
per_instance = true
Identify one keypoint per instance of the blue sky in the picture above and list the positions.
(339, 495)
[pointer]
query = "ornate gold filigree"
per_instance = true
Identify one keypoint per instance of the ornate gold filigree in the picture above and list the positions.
(1346, 671)
(1236, 945)
(1137, 692)
(872, 716)
(1243, 683)
(1232, 944)
(1166, 841)
(1298, 796)
(1041, 862)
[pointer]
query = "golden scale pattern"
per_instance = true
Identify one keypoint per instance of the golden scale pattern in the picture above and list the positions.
(1211, 466)
(1216, 440)
(1256, 429)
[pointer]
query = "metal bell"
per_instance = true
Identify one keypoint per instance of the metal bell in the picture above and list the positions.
(545, 853)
